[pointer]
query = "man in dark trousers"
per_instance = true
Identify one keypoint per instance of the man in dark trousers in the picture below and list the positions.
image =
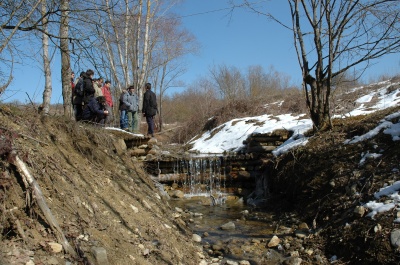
(149, 109)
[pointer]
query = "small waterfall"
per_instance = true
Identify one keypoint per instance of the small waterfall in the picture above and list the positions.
(201, 177)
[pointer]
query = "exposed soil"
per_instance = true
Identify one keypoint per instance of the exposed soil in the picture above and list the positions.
(102, 199)
(323, 183)
(99, 198)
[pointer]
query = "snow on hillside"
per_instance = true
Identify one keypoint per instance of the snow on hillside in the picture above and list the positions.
(230, 135)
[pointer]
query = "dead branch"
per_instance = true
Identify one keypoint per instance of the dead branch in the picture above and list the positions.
(38, 195)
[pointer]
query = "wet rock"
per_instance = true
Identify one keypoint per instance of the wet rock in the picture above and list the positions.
(177, 194)
(395, 238)
(228, 226)
(274, 242)
(301, 233)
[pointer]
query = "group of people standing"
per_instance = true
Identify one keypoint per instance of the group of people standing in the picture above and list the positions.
(93, 102)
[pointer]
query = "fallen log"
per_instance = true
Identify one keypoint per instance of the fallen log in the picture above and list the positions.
(38, 195)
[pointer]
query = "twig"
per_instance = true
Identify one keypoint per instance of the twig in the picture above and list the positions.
(21, 167)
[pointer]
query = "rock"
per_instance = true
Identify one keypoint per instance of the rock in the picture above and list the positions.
(30, 263)
(203, 262)
(100, 255)
(292, 261)
(217, 247)
(228, 226)
(304, 226)
(177, 194)
(377, 228)
(120, 146)
(359, 211)
(231, 262)
(274, 242)
(135, 209)
(55, 247)
(196, 238)
(301, 234)
(395, 238)
(52, 261)
(146, 204)
(244, 262)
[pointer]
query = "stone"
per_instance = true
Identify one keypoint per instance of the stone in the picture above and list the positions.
(100, 255)
(120, 146)
(359, 211)
(244, 262)
(196, 238)
(55, 247)
(228, 226)
(395, 238)
(52, 261)
(274, 242)
(135, 209)
(303, 226)
(177, 194)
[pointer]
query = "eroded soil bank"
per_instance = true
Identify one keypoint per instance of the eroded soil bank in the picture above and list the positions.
(103, 199)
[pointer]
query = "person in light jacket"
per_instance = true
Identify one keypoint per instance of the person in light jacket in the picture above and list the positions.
(131, 102)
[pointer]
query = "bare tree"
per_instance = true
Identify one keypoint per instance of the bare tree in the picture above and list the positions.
(229, 81)
(332, 37)
(65, 58)
(46, 62)
(171, 44)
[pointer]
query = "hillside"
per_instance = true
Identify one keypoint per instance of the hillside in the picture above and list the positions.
(102, 200)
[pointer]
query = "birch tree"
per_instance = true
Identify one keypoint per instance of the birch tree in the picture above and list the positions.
(65, 58)
(46, 61)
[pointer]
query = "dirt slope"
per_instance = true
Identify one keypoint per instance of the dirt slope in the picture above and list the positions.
(100, 199)
(324, 182)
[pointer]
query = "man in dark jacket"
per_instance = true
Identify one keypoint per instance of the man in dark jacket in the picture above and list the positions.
(149, 109)
(78, 97)
(95, 111)
(88, 89)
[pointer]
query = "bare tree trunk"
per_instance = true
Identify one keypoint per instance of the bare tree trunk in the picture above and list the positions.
(46, 62)
(65, 58)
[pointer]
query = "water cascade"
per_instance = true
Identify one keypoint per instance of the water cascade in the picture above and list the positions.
(200, 176)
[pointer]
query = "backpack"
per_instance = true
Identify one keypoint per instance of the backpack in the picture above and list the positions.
(78, 91)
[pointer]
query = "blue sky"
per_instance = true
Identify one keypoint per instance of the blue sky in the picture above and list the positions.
(239, 39)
